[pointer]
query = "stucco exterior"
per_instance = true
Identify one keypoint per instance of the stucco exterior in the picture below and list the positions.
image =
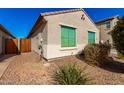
(105, 35)
(51, 34)
(0, 42)
(37, 45)
(3, 37)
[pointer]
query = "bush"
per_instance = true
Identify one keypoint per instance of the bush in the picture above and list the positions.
(96, 53)
(118, 36)
(71, 74)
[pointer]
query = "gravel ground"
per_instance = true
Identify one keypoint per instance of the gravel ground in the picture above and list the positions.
(28, 69)
(99, 76)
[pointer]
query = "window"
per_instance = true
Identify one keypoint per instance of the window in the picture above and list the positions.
(99, 27)
(108, 25)
(91, 37)
(68, 36)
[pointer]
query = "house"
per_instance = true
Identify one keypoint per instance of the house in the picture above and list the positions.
(62, 33)
(105, 26)
(4, 34)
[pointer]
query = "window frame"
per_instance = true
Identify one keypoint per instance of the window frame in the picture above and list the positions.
(106, 23)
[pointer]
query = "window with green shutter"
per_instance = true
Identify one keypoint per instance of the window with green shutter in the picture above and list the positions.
(91, 37)
(68, 36)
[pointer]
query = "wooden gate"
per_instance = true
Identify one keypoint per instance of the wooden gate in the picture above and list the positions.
(11, 46)
(25, 45)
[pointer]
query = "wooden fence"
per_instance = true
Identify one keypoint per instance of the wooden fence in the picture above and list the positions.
(25, 45)
(14, 46)
(11, 46)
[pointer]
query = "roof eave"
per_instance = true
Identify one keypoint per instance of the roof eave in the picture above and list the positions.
(107, 19)
(60, 12)
(35, 25)
(4, 30)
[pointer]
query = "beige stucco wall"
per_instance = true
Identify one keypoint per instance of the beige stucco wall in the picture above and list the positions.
(104, 36)
(36, 41)
(72, 19)
(0, 42)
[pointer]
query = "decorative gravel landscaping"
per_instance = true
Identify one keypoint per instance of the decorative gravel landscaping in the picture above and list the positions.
(28, 69)
(25, 69)
(112, 74)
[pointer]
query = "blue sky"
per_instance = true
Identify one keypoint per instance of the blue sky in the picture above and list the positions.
(20, 21)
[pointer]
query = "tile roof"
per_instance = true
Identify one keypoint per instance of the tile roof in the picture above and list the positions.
(60, 12)
(106, 19)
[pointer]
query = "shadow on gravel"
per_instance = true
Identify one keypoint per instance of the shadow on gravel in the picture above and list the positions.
(112, 65)
(4, 57)
(109, 64)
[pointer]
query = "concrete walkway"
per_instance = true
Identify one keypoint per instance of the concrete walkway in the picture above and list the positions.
(4, 63)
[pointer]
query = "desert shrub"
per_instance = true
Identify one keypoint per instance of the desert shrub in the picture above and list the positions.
(96, 53)
(71, 74)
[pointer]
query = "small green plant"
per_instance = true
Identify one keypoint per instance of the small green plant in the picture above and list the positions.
(120, 56)
(71, 74)
(96, 53)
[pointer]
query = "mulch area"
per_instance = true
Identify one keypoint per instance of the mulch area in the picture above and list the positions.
(28, 69)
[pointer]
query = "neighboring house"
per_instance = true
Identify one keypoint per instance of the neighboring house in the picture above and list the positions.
(4, 34)
(62, 33)
(105, 26)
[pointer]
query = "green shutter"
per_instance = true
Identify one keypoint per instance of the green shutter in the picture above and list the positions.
(91, 37)
(68, 37)
(64, 37)
(72, 38)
